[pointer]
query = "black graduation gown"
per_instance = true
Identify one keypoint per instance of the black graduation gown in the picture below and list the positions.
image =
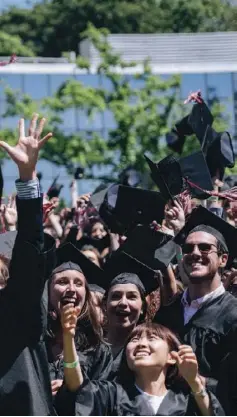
(117, 360)
(96, 363)
(212, 331)
(24, 378)
(227, 384)
(101, 398)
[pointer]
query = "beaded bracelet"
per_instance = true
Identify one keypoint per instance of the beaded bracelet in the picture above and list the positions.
(71, 364)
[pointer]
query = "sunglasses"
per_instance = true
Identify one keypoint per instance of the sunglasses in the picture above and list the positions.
(204, 248)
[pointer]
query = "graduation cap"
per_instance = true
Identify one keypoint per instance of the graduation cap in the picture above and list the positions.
(194, 123)
(121, 262)
(199, 119)
(176, 138)
(54, 189)
(68, 256)
(7, 242)
(153, 248)
(122, 208)
(219, 152)
(213, 224)
(173, 176)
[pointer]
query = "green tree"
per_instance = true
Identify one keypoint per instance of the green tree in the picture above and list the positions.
(143, 114)
(144, 108)
(55, 26)
(13, 45)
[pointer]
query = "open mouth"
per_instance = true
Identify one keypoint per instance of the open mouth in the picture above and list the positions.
(69, 300)
(120, 313)
(141, 353)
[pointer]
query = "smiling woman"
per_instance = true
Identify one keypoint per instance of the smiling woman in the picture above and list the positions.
(68, 286)
(125, 306)
(147, 380)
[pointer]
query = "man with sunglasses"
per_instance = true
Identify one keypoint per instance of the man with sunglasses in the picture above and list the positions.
(205, 315)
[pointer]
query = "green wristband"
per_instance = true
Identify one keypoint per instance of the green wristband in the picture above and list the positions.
(179, 256)
(71, 364)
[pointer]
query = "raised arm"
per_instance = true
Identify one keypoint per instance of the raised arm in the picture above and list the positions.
(26, 282)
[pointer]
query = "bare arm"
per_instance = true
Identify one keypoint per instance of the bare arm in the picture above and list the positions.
(72, 369)
(74, 194)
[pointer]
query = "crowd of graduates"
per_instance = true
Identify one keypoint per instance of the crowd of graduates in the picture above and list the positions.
(124, 303)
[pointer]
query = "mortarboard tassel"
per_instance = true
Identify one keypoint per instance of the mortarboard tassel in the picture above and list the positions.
(229, 195)
(12, 60)
(195, 97)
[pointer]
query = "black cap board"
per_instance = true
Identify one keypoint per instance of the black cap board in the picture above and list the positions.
(122, 207)
(176, 138)
(202, 216)
(194, 123)
(69, 253)
(121, 262)
(170, 175)
(7, 242)
(154, 248)
(199, 119)
(55, 188)
(219, 152)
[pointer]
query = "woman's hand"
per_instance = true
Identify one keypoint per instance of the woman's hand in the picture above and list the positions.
(55, 385)
(188, 366)
(25, 153)
(69, 315)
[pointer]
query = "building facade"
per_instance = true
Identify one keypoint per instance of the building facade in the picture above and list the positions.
(206, 61)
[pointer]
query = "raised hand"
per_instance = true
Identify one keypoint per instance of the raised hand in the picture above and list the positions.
(174, 217)
(69, 315)
(25, 152)
(187, 363)
(10, 213)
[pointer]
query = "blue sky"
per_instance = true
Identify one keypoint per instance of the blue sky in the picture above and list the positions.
(20, 3)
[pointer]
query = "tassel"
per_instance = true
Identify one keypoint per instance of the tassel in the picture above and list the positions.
(229, 195)
(12, 60)
(194, 97)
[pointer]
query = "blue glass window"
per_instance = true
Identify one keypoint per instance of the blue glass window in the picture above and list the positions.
(192, 82)
(219, 85)
(57, 80)
(15, 81)
(36, 85)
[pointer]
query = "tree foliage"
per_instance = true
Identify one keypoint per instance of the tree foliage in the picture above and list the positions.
(142, 113)
(55, 26)
(13, 44)
(144, 108)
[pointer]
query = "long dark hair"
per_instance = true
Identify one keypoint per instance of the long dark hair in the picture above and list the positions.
(88, 332)
(126, 377)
